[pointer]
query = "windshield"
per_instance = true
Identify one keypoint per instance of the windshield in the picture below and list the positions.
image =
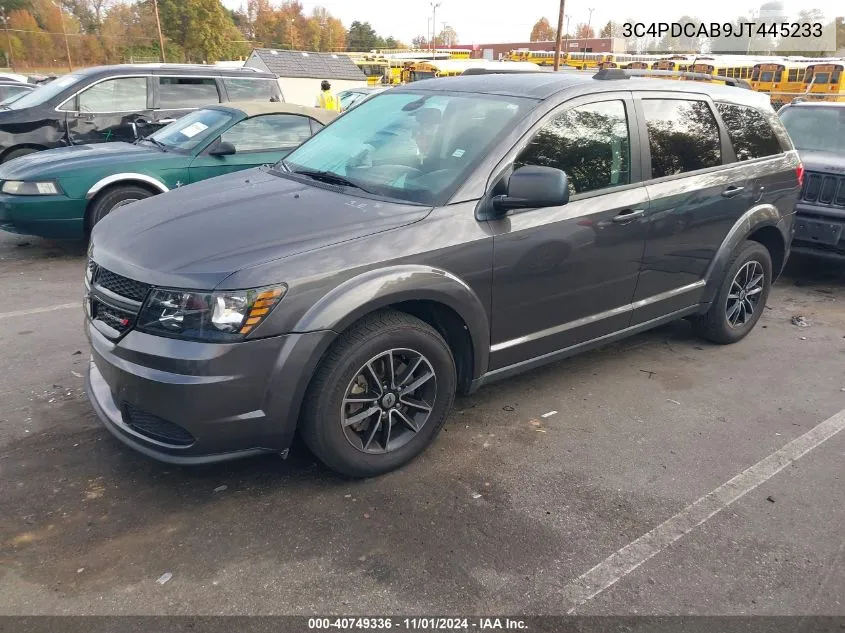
(192, 129)
(410, 146)
(815, 128)
(44, 93)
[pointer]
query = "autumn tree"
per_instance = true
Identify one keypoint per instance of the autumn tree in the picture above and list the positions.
(542, 31)
(584, 32)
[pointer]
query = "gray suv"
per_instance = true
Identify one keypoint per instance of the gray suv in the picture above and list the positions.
(434, 239)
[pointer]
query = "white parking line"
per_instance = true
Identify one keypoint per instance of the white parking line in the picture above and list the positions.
(63, 306)
(623, 562)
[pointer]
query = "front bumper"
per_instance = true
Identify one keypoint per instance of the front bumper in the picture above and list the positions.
(184, 402)
(52, 217)
(819, 231)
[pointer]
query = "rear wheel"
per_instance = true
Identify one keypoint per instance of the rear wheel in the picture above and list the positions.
(380, 396)
(113, 199)
(742, 296)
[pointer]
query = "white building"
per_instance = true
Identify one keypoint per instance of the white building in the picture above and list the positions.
(300, 73)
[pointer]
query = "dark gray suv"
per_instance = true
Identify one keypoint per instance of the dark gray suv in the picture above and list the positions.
(434, 239)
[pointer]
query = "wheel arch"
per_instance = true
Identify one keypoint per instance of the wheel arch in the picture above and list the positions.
(143, 180)
(760, 224)
(116, 184)
(32, 146)
(433, 295)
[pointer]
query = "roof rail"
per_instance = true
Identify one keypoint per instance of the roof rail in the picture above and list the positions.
(501, 71)
(624, 73)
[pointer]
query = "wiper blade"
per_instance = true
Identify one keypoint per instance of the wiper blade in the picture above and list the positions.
(331, 178)
(155, 142)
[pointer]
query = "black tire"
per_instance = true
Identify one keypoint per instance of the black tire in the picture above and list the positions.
(342, 369)
(17, 153)
(716, 324)
(109, 200)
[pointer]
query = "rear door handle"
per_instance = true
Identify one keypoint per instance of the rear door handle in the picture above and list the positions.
(629, 215)
(732, 191)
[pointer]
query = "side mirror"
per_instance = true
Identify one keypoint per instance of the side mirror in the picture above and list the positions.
(221, 148)
(532, 187)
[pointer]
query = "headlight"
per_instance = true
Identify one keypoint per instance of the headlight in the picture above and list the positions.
(22, 188)
(208, 316)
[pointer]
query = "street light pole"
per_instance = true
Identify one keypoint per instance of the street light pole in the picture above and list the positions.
(589, 19)
(559, 33)
(64, 33)
(160, 38)
(434, 6)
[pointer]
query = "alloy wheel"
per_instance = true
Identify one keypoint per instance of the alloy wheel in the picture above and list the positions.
(744, 294)
(388, 401)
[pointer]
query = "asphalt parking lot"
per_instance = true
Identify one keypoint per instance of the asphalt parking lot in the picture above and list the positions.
(507, 513)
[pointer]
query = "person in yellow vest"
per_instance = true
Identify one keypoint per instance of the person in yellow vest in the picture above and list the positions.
(326, 99)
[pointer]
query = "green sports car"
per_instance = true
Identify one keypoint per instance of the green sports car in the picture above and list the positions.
(62, 193)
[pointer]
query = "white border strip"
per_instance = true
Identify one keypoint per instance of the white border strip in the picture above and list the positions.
(616, 566)
(63, 306)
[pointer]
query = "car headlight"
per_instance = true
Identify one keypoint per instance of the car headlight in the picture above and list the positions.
(208, 316)
(25, 188)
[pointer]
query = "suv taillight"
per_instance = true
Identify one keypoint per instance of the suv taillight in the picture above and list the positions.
(799, 172)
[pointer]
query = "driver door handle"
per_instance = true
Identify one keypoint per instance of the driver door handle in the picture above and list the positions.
(628, 215)
(165, 121)
(732, 191)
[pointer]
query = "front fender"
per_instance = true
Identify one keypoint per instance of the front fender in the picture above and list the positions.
(752, 220)
(376, 289)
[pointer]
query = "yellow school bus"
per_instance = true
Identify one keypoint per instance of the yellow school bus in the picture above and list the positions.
(736, 67)
(825, 81)
(442, 68)
(375, 68)
(582, 61)
(781, 80)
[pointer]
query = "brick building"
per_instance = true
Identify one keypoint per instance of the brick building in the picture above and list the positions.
(590, 45)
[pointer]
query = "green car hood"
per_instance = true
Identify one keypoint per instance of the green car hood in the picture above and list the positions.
(90, 160)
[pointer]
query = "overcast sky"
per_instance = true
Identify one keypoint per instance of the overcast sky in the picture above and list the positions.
(485, 21)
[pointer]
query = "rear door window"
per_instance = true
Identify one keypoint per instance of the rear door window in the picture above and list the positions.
(751, 134)
(176, 93)
(250, 89)
(683, 136)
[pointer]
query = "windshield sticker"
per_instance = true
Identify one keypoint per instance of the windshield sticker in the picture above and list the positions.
(458, 153)
(194, 128)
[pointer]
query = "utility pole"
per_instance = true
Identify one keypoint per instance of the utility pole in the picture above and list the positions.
(559, 33)
(8, 38)
(158, 26)
(64, 33)
(434, 6)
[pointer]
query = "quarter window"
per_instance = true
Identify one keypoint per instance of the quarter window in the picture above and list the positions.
(186, 92)
(124, 94)
(268, 132)
(590, 143)
(750, 133)
(683, 136)
(250, 89)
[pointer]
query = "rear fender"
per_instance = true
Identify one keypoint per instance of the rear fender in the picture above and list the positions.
(752, 220)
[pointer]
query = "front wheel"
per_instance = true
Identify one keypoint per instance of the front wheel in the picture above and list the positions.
(742, 296)
(113, 199)
(380, 396)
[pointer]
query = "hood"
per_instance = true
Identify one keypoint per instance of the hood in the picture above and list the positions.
(62, 161)
(823, 162)
(196, 236)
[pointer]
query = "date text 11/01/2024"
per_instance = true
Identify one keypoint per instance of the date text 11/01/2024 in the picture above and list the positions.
(715, 30)
(416, 624)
